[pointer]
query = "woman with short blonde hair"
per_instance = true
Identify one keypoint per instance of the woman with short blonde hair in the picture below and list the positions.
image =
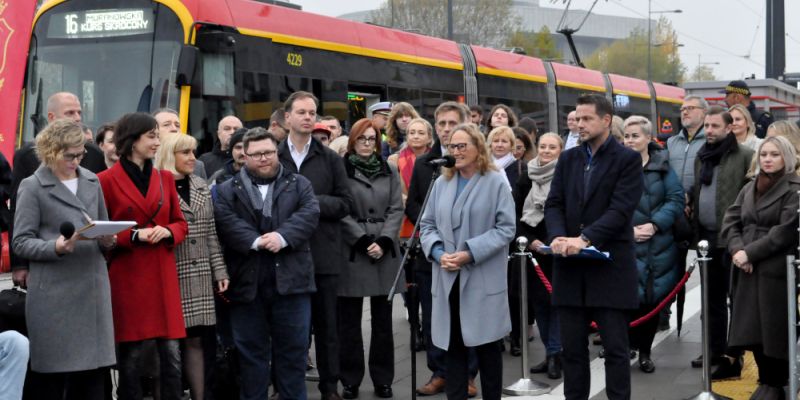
(743, 127)
(56, 138)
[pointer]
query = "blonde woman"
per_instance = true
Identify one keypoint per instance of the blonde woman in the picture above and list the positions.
(399, 118)
(198, 258)
(419, 138)
(787, 129)
(743, 127)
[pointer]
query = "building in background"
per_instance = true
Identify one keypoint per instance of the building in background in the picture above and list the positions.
(782, 100)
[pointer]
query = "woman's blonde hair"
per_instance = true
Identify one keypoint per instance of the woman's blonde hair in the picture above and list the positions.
(398, 110)
(553, 135)
(426, 124)
(751, 126)
(617, 128)
(56, 138)
(789, 130)
(640, 121)
(484, 160)
(500, 131)
(787, 152)
(171, 144)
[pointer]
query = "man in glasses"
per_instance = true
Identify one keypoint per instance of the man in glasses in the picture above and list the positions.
(301, 153)
(266, 215)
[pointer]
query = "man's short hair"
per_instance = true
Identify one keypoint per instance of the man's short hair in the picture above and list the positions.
(164, 110)
(257, 134)
(703, 103)
(298, 95)
(278, 116)
(476, 108)
(447, 106)
(329, 118)
(719, 110)
(601, 104)
(55, 100)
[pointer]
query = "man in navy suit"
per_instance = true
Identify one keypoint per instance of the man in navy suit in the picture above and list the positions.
(595, 190)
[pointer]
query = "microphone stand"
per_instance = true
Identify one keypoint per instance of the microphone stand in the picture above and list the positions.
(411, 294)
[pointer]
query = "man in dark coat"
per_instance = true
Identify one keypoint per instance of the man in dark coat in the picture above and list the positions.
(216, 159)
(447, 116)
(265, 217)
(300, 153)
(737, 92)
(596, 187)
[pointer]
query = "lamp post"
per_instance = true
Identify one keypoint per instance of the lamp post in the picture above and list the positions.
(650, 12)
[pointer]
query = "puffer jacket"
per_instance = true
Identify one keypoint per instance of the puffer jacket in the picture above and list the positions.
(661, 203)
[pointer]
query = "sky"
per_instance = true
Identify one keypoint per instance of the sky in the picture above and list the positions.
(717, 33)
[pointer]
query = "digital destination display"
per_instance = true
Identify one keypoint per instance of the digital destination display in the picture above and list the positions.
(100, 23)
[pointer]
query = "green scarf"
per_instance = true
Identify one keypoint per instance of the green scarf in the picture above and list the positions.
(370, 167)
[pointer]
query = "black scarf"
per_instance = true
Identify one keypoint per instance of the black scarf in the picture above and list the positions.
(710, 156)
(139, 177)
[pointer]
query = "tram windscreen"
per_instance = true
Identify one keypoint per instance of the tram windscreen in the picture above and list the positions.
(117, 56)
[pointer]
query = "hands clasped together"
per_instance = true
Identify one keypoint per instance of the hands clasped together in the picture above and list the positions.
(741, 261)
(568, 246)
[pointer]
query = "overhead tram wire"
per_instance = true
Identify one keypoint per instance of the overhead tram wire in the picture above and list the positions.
(730, 53)
(755, 34)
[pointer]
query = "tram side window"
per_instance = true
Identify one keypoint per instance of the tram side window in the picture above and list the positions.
(334, 100)
(567, 97)
(625, 106)
(430, 100)
(218, 75)
(526, 98)
(669, 119)
(410, 96)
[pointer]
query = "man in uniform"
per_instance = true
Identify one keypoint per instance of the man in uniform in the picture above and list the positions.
(737, 92)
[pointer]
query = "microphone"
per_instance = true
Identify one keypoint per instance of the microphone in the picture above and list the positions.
(446, 161)
(67, 229)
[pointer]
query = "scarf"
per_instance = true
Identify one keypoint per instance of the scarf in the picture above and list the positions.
(765, 182)
(139, 177)
(710, 156)
(369, 167)
(405, 164)
(251, 183)
(541, 177)
(502, 163)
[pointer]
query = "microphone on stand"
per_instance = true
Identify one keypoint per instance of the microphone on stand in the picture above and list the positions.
(446, 161)
(67, 229)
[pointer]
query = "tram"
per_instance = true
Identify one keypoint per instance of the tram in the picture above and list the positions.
(210, 58)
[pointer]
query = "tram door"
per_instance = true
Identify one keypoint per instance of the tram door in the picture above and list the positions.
(359, 98)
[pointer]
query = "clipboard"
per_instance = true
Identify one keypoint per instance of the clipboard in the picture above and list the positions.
(100, 228)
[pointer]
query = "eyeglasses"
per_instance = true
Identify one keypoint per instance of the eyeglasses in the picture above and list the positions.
(73, 156)
(457, 146)
(365, 140)
(690, 108)
(263, 155)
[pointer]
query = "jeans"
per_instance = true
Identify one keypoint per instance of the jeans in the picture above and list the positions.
(169, 355)
(549, 328)
(13, 364)
(272, 321)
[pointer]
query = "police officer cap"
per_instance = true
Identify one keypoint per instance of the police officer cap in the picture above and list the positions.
(384, 108)
(737, 86)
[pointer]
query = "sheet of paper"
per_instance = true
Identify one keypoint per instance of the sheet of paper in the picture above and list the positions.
(589, 252)
(100, 228)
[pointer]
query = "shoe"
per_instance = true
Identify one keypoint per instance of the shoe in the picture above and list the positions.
(383, 391)
(633, 354)
(540, 368)
(728, 369)
(309, 364)
(419, 341)
(516, 350)
(331, 396)
(312, 375)
(597, 340)
(646, 364)
(772, 393)
(349, 391)
(554, 366)
(434, 386)
(472, 390)
(275, 396)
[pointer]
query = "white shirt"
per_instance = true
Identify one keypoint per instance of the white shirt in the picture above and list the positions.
(573, 139)
(264, 189)
(298, 156)
(72, 185)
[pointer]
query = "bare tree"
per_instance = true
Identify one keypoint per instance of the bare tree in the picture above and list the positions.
(481, 22)
(702, 73)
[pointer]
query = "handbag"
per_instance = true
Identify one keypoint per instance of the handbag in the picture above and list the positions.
(12, 302)
(682, 229)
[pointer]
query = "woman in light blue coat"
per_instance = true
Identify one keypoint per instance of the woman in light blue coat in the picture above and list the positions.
(465, 231)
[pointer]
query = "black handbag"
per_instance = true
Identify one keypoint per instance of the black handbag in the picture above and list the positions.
(682, 229)
(12, 303)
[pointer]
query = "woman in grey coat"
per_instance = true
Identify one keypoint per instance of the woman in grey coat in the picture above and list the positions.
(371, 232)
(465, 231)
(761, 230)
(68, 308)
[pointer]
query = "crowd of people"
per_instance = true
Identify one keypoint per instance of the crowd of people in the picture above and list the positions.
(280, 234)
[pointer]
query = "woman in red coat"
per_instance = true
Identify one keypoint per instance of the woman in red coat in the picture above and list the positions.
(144, 280)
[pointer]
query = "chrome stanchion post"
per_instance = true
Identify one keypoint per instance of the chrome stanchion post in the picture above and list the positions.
(524, 386)
(791, 290)
(707, 393)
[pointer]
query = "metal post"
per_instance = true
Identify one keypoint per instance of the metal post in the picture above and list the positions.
(791, 290)
(706, 394)
(524, 386)
(449, 19)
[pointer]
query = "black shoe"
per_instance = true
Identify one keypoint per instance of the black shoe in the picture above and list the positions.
(698, 362)
(554, 366)
(516, 350)
(383, 391)
(349, 391)
(541, 367)
(646, 364)
(728, 369)
(331, 396)
(419, 342)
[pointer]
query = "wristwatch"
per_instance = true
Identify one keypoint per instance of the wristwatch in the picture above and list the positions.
(586, 239)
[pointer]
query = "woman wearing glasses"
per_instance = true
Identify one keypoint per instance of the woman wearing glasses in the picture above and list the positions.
(68, 308)
(465, 231)
(371, 231)
(199, 258)
(144, 280)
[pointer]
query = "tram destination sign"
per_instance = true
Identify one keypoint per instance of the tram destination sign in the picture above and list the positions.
(100, 23)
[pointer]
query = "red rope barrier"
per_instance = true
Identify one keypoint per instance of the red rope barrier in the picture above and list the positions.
(640, 320)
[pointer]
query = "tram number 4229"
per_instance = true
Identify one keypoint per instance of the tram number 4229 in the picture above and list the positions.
(294, 59)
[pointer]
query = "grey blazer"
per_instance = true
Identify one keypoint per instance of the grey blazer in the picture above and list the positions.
(482, 220)
(68, 308)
